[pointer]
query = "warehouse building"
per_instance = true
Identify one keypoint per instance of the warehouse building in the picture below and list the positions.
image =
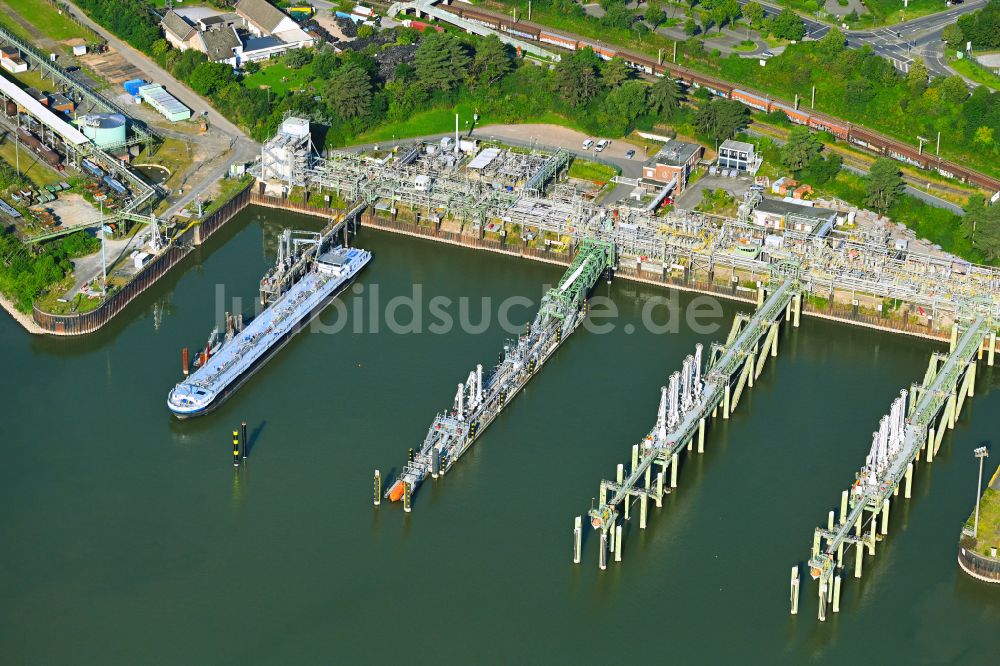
(165, 103)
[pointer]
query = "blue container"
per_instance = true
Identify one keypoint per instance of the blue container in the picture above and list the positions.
(115, 185)
(132, 86)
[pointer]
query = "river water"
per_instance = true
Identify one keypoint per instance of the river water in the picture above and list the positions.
(126, 537)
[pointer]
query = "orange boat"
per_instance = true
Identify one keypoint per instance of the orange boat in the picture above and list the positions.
(396, 492)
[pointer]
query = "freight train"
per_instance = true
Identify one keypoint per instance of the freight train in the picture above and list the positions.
(843, 130)
(29, 139)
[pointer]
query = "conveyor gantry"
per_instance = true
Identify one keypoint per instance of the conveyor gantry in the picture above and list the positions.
(912, 426)
(686, 404)
(479, 400)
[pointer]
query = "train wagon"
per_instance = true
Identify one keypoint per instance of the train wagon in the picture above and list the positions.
(556, 39)
(838, 129)
(750, 99)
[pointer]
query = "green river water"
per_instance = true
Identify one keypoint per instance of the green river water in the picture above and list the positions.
(126, 538)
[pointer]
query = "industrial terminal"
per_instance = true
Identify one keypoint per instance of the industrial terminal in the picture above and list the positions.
(528, 314)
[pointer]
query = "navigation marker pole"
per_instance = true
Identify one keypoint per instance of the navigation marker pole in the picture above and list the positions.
(236, 449)
(378, 488)
(577, 538)
(243, 435)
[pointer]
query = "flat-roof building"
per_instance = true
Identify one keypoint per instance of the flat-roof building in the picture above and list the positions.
(672, 163)
(782, 215)
(164, 102)
(736, 155)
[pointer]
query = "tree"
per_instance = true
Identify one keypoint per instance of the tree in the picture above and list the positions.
(832, 43)
(159, 49)
(656, 17)
(801, 150)
(298, 58)
(628, 100)
(349, 92)
(916, 78)
(618, 17)
(493, 60)
(576, 77)
(664, 97)
(719, 119)
(210, 77)
(824, 170)
(983, 137)
(954, 90)
(440, 61)
(981, 225)
(753, 13)
(324, 63)
(691, 28)
(952, 34)
(614, 72)
(788, 25)
(186, 62)
(883, 185)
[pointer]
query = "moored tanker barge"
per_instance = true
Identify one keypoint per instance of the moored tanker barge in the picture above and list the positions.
(236, 361)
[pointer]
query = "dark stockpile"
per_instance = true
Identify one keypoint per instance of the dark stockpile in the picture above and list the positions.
(388, 59)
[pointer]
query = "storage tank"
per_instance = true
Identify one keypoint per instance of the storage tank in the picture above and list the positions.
(104, 129)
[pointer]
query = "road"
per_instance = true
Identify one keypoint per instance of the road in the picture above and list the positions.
(899, 43)
(242, 147)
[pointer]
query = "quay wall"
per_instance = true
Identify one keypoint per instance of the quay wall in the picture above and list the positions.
(833, 309)
(88, 322)
(986, 569)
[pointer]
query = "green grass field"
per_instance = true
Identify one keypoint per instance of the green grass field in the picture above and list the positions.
(280, 77)
(18, 155)
(46, 18)
(977, 73)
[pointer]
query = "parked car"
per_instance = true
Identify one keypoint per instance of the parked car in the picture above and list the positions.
(602, 144)
(587, 144)
(629, 154)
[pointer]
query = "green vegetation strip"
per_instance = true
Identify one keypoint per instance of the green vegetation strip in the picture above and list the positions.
(44, 16)
(593, 171)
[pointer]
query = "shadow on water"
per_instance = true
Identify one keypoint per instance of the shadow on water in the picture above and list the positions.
(254, 436)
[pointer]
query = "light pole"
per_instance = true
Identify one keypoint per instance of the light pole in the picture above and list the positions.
(981, 452)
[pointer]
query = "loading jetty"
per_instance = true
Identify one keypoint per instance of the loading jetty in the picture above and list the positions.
(479, 400)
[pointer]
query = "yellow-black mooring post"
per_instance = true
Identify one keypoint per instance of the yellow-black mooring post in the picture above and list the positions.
(243, 438)
(236, 449)
(406, 496)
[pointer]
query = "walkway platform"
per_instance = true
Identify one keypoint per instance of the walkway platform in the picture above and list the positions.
(687, 405)
(915, 425)
(479, 400)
